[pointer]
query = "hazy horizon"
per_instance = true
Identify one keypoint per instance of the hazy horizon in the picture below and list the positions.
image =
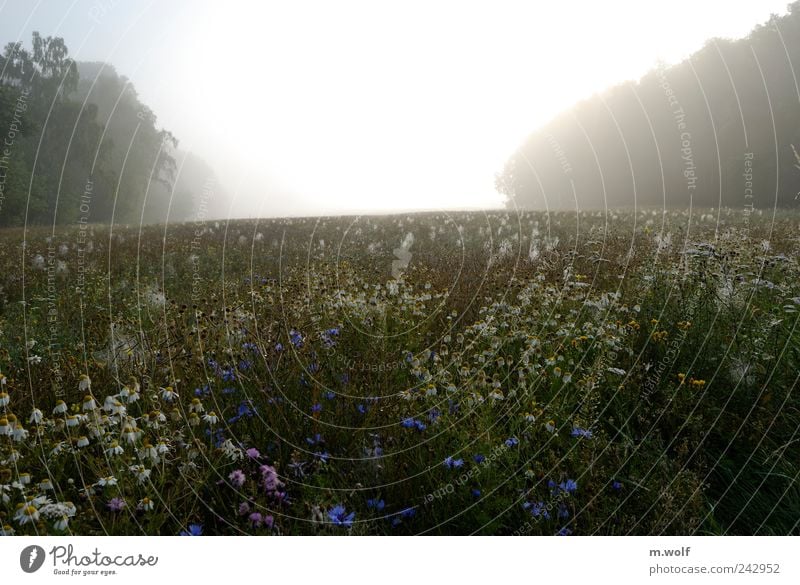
(356, 108)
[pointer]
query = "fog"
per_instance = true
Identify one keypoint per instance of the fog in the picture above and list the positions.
(354, 107)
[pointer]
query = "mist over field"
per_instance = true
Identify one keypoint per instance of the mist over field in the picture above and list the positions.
(409, 268)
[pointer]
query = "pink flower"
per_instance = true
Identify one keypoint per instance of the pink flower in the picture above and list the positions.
(269, 479)
(116, 504)
(256, 520)
(253, 453)
(237, 478)
(244, 509)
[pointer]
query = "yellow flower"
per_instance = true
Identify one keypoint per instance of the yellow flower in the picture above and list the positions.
(659, 336)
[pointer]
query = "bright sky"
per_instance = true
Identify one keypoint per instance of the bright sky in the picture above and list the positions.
(318, 107)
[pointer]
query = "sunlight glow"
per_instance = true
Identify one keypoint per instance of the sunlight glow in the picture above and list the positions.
(357, 106)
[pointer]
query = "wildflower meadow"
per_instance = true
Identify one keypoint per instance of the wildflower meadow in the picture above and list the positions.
(584, 373)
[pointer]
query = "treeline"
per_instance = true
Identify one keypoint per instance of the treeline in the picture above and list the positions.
(718, 129)
(76, 144)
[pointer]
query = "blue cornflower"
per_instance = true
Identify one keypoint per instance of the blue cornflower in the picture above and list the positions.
(219, 437)
(244, 409)
(408, 513)
(362, 409)
(476, 493)
(616, 485)
(377, 504)
(296, 338)
(193, 530)
(328, 337)
(228, 375)
(245, 365)
(479, 458)
(248, 346)
(408, 423)
(451, 463)
(434, 414)
(564, 532)
(279, 347)
(322, 456)
(313, 368)
(339, 516)
(537, 509)
(316, 407)
(314, 439)
(570, 486)
(421, 426)
(512, 442)
(330, 395)
(563, 511)
(579, 432)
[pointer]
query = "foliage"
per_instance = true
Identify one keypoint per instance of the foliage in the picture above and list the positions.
(718, 129)
(621, 373)
(80, 146)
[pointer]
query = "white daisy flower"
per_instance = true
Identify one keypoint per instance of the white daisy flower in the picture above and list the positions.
(130, 433)
(108, 403)
(84, 383)
(140, 471)
(168, 394)
(115, 449)
(58, 448)
(145, 504)
(26, 515)
(89, 403)
(117, 408)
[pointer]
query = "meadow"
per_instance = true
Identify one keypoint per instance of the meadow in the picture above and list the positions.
(619, 372)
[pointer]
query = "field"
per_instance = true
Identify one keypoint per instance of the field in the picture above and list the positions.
(492, 373)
